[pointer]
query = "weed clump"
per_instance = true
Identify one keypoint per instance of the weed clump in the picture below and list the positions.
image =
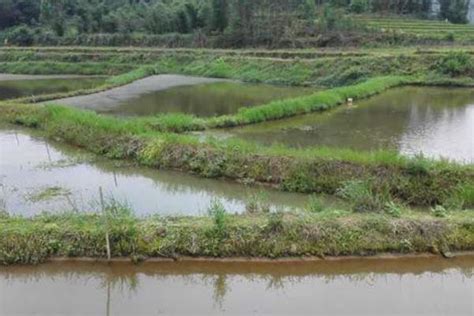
(219, 216)
(362, 195)
(439, 211)
(315, 204)
(455, 64)
(275, 222)
(257, 204)
(393, 209)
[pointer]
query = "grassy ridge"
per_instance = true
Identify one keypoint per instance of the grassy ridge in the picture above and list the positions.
(416, 181)
(335, 233)
(55, 68)
(311, 68)
(428, 29)
(111, 82)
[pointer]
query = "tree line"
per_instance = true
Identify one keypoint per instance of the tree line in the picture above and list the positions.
(241, 21)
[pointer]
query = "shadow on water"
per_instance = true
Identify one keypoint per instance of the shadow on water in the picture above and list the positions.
(430, 285)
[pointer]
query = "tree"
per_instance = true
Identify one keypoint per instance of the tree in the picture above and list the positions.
(454, 11)
(219, 10)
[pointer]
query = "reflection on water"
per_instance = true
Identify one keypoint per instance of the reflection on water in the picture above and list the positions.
(438, 122)
(10, 89)
(429, 286)
(37, 176)
(208, 99)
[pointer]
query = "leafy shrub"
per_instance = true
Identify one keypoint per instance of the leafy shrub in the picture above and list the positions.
(219, 216)
(359, 6)
(455, 64)
(21, 35)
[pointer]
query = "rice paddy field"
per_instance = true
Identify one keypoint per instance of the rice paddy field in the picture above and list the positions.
(263, 123)
(424, 29)
(332, 175)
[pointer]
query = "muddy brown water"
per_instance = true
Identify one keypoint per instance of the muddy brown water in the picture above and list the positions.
(404, 286)
(182, 94)
(37, 175)
(434, 121)
(16, 86)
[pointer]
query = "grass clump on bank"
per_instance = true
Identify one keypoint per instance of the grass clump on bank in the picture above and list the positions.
(271, 235)
(414, 181)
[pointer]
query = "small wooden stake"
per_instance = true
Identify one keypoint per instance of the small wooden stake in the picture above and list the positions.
(107, 239)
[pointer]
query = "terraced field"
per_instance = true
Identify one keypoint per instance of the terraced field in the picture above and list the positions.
(430, 29)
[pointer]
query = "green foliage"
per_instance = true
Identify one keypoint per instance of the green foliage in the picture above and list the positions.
(20, 35)
(208, 23)
(275, 222)
(454, 11)
(393, 209)
(456, 64)
(359, 6)
(362, 195)
(175, 122)
(439, 211)
(315, 205)
(219, 217)
(461, 198)
(275, 235)
(257, 203)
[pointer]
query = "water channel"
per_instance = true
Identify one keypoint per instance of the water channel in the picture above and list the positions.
(404, 286)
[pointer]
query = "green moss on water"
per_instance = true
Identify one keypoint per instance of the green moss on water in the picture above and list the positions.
(48, 193)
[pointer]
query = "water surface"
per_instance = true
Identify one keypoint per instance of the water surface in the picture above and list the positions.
(210, 99)
(28, 86)
(421, 286)
(38, 176)
(438, 122)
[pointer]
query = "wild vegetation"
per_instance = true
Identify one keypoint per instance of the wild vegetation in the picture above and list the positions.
(215, 23)
(270, 235)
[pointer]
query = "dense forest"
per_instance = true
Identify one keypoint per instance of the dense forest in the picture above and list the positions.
(235, 22)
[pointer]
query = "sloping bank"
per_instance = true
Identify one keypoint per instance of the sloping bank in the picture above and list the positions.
(379, 177)
(276, 235)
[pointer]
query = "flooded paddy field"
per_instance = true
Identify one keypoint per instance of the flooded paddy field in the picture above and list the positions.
(17, 86)
(38, 176)
(182, 94)
(434, 121)
(403, 286)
